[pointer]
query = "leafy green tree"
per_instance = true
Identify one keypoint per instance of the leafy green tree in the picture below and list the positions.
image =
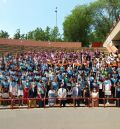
(90, 23)
(44, 35)
(77, 26)
(23, 36)
(105, 13)
(30, 35)
(47, 33)
(112, 8)
(4, 34)
(55, 35)
(17, 35)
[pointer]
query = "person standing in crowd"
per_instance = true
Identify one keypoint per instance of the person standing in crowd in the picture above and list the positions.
(51, 97)
(5, 91)
(95, 96)
(26, 85)
(13, 89)
(69, 94)
(118, 94)
(100, 87)
(32, 95)
(76, 93)
(54, 84)
(90, 64)
(62, 94)
(41, 93)
(20, 92)
(1, 91)
(113, 82)
(86, 94)
(107, 88)
(91, 79)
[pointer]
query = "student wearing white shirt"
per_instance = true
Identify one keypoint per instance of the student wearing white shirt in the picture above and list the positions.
(107, 88)
(51, 96)
(62, 94)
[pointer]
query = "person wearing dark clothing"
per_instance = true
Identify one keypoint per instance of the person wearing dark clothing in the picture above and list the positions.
(86, 94)
(118, 94)
(41, 94)
(32, 95)
(90, 64)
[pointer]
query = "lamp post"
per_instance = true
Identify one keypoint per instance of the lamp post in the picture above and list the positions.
(56, 11)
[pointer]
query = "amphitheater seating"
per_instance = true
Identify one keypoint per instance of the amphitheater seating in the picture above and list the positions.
(20, 46)
(20, 49)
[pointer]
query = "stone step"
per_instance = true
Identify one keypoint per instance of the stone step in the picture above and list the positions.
(18, 49)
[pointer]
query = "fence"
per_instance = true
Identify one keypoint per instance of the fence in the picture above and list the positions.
(14, 103)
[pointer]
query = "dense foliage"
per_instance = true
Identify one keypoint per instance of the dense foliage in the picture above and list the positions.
(91, 23)
(40, 35)
(4, 34)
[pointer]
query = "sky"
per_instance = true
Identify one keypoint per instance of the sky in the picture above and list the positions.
(27, 15)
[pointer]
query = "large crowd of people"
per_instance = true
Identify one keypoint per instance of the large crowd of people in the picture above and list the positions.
(60, 74)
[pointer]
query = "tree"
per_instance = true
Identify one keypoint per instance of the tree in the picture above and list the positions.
(89, 23)
(45, 35)
(77, 26)
(112, 8)
(17, 35)
(23, 36)
(55, 35)
(30, 35)
(105, 13)
(4, 34)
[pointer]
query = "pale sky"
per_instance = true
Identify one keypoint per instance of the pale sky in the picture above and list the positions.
(26, 15)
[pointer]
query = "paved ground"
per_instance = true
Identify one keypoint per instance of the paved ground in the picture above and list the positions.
(61, 118)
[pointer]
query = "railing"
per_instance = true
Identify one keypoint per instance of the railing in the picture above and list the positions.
(14, 103)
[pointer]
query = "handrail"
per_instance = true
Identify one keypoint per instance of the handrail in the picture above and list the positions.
(13, 102)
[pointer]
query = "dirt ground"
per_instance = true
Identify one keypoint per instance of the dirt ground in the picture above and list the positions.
(61, 118)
